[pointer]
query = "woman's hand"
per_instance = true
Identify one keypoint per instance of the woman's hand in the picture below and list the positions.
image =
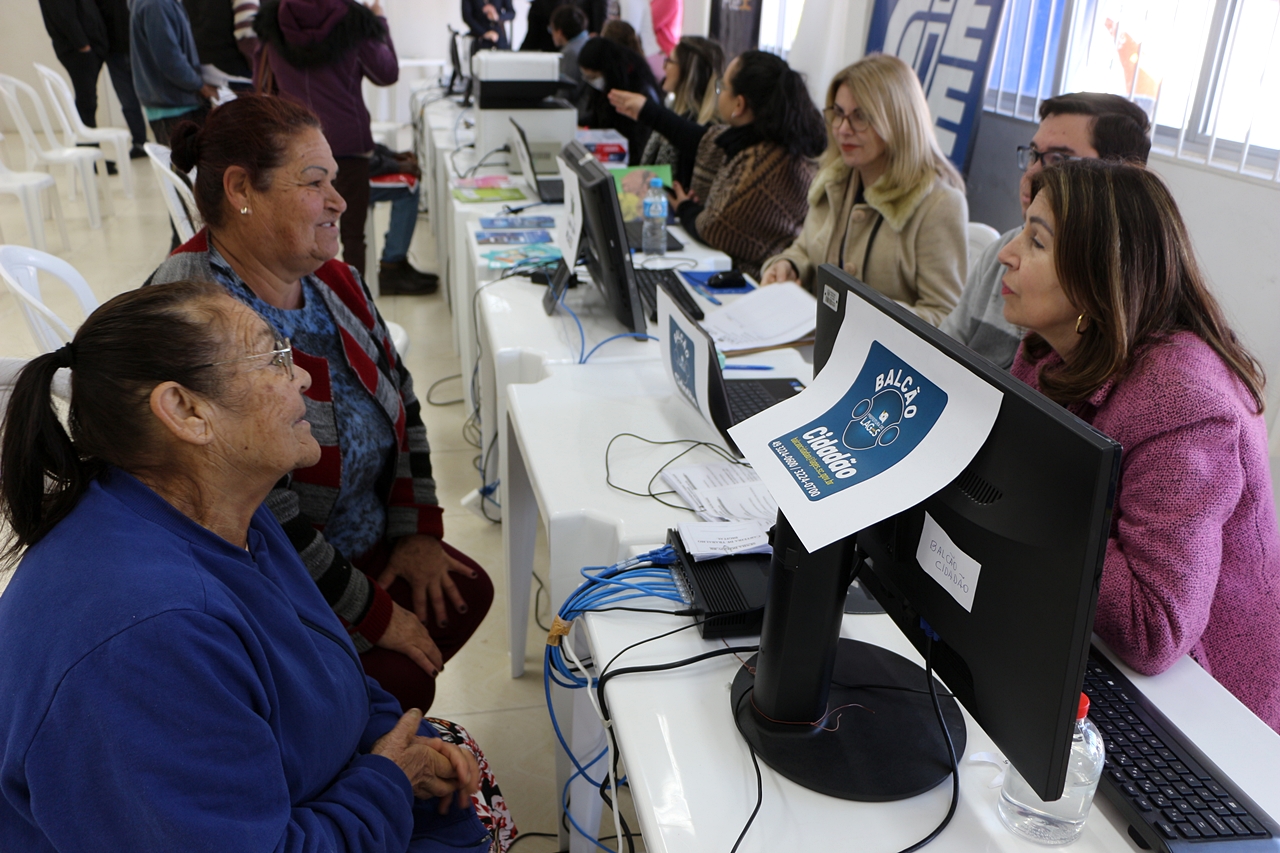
(434, 768)
(680, 196)
(463, 773)
(628, 103)
(407, 635)
(490, 12)
(778, 272)
(421, 560)
(491, 35)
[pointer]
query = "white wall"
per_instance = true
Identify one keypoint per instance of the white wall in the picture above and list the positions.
(23, 41)
(1235, 226)
(832, 34)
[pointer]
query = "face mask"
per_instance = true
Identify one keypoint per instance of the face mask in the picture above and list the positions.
(597, 83)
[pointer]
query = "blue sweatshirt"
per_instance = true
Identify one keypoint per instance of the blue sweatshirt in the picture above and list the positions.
(162, 54)
(164, 690)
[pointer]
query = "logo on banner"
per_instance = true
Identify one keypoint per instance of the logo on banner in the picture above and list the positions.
(682, 361)
(883, 416)
(948, 43)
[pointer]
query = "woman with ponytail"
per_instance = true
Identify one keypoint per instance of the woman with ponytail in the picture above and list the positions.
(883, 167)
(172, 677)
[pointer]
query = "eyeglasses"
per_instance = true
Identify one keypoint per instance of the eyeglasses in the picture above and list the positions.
(668, 60)
(857, 120)
(1028, 155)
(281, 356)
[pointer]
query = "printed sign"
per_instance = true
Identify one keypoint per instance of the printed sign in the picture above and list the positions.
(682, 361)
(889, 421)
(953, 569)
(949, 44)
(883, 417)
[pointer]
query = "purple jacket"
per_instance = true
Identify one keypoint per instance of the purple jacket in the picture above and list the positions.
(319, 50)
(1193, 562)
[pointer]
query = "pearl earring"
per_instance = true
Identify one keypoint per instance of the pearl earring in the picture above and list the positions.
(244, 211)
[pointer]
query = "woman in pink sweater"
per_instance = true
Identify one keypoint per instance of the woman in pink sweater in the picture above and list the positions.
(1125, 334)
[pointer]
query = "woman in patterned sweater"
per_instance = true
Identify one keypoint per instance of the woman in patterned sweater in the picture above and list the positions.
(265, 189)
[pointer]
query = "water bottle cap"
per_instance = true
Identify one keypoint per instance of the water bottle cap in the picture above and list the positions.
(1083, 710)
(655, 182)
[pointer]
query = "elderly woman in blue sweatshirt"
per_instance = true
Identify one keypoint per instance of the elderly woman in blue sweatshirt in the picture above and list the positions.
(172, 679)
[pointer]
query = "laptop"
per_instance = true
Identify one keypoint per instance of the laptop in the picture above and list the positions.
(550, 190)
(693, 364)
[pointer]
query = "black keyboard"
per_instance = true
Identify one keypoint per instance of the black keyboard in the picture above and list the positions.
(747, 398)
(1173, 796)
(648, 281)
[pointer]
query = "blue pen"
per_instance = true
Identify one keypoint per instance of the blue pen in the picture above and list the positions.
(706, 294)
(747, 367)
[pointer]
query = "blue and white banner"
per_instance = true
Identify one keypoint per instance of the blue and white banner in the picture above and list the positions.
(949, 44)
(890, 420)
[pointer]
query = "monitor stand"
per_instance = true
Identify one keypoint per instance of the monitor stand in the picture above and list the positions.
(841, 717)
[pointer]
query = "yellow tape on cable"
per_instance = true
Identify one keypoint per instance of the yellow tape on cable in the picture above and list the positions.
(559, 628)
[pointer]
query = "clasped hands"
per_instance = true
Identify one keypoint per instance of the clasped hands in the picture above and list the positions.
(424, 564)
(434, 768)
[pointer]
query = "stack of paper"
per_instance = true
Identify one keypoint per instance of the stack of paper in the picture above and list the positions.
(766, 317)
(722, 491)
(706, 540)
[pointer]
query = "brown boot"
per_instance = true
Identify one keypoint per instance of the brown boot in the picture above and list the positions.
(400, 279)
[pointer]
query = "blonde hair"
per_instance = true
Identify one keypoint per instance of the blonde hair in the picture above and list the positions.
(701, 64)
(889, 95)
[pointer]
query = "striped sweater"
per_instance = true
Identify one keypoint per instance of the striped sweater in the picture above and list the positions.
(303, 500)
(754, 194)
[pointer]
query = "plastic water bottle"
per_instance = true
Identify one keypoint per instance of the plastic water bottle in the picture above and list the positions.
(1061, 821)
(654, 237)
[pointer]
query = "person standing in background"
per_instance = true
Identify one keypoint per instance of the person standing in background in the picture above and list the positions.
(87, 34)
(166, 66)
(569, 32)
(316, 52)
(668, 23)
(244, 11)
(213, 25)
(486, 18)
(537, 35)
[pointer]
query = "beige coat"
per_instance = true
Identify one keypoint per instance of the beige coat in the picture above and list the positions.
(920, 254)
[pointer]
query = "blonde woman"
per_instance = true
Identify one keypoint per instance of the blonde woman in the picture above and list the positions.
(887, 205)
(689, 83)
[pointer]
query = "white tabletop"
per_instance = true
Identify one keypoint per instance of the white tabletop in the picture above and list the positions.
(694, 787)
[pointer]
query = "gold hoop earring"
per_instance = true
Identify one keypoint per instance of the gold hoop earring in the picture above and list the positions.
(1079, 320)
(244, 211)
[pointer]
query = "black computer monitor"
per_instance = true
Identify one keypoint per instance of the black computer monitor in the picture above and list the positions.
(607, 252)
(1033, 508)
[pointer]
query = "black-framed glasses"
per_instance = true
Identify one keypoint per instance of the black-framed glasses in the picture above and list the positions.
(281, 356)
(1028, 155)
(835, 117)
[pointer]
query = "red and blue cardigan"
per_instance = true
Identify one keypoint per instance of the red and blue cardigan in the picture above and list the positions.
(303, 500)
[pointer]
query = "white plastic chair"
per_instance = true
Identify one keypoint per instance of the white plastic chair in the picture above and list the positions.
(79, 160)
(27, 186)
(981, 235)
(19, 268)
(75, 130)
(178, 197)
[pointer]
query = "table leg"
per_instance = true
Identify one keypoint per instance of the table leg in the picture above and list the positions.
(519, 533)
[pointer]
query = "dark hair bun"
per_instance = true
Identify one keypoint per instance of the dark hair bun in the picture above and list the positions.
(185, 145)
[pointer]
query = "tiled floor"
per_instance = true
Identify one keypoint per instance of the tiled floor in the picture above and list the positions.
(508, 717)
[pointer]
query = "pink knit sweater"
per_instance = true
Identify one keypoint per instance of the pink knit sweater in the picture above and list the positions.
(1193, 562)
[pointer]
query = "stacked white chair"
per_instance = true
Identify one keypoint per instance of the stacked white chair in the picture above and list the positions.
(79, 160)
(75, 130)
(178, 197)
(19, 270)
(28, 186)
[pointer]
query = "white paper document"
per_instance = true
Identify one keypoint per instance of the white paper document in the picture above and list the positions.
(765, 317)
(722, 491)
(706, 540)
(889, 421)
(569, 229)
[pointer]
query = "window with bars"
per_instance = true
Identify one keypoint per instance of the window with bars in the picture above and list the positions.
(1206, 71)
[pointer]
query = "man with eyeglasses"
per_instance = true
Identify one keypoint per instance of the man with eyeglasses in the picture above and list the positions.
(1072, 127)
